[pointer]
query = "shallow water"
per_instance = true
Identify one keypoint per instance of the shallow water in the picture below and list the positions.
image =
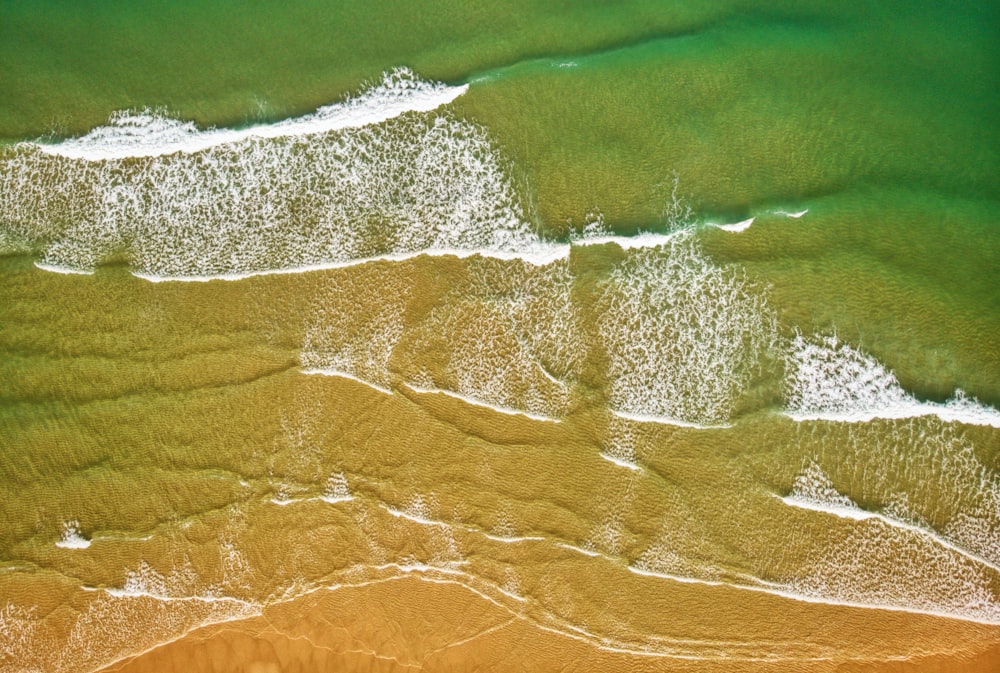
(646, 338)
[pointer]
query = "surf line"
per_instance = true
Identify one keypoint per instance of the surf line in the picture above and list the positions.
(468, 399)
(949, 412)
(779, 590)
(540, 255)
(149, 134)
(667, 420)
(782, 591)
(858, 514)
(345, 375)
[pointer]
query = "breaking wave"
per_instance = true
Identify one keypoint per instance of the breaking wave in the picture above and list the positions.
(148, 133)
(301, 194)
(831, 380)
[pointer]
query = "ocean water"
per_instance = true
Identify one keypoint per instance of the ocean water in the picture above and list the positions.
(430, 336)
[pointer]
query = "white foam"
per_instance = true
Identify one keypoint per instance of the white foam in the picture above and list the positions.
(149, 134)
(548, 375)
(336, 489)
(333, 500)
(785, 591)
(736, 227)
(468, 399)
(677, 578)
(620, 462)
(579, 550)
(72, 538)
(683, 335)
(541, 253)
(984, 416)
(789, 592)
(619, 444)
(416, 512)
(289, 197)
(796, 215)
(857, 514)
(356, 323)
(639, 241)
(513, 539)
(667, 420)
(55, 268)
(833, 381)
(852, 511)
(813, 490)
(345, 375)
(511, 337)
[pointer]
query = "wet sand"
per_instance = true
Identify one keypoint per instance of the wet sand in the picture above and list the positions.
(416, 624)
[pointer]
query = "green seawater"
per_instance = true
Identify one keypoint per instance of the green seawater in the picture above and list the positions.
(175, 426)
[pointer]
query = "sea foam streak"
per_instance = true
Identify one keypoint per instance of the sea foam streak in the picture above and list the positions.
(149, 134)
(736, 227)
(928, 537)
(831, 380)
(480, 403)
(308, 197)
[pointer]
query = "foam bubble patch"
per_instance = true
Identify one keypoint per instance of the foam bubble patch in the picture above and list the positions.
(310, 195)
(683, 335)
(831, 380)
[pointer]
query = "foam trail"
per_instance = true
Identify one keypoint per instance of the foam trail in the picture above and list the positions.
(620, 462)
(640, 240)
(796, 215)
(150, 609)
(667, 420)
(63, 269)
(910, 473)
(619, 445)
(813, 490)
(971, 613)
(542, 253)
(579, 550)
(468, 399)
(150, 134)
(830, 380)
(886, 565)
(336, 489)
(513, 539)
(354, 328)
(345, 375)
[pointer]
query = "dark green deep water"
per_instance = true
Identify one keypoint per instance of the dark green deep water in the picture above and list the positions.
(133, 407)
